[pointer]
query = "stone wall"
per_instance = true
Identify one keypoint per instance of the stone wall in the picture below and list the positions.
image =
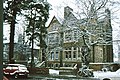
(99, 66)
(40, 71)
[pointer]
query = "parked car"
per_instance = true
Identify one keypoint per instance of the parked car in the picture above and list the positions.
(16, 70)
(107, 75)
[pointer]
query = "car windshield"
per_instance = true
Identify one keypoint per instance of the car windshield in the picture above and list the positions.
(22, 67)
(12, 67)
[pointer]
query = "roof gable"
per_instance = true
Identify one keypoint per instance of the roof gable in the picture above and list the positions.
(54, 25)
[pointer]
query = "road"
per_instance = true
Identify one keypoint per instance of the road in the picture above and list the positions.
(38, 77)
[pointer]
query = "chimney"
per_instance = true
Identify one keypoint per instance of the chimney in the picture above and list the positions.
(67, 11)
(108, 16)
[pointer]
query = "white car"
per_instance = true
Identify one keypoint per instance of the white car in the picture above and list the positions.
(16, 70)
(108, 75)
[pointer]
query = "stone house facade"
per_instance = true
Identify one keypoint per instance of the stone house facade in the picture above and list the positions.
(64, 41)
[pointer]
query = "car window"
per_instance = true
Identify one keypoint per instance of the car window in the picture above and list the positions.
(8, 67)
(22, 67)
(14, 67)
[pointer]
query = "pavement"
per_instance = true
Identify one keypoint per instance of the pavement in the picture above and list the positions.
(61, 77)
(54, 77)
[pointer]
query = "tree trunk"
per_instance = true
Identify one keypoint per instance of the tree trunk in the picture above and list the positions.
(32, 52)
(12, 32)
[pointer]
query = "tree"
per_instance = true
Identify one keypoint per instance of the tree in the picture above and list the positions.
(91, 14)
(36, 30)
(11, 9)
(92, 11)
(37, 19)
(96, 29)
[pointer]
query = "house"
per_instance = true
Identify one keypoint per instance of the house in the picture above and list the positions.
(64, 40)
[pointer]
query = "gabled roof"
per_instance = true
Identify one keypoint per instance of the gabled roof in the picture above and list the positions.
(53, 22)
(70, 20)
(62, 19)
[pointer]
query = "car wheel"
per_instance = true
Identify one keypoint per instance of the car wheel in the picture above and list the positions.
(16, 76)
(26, 75)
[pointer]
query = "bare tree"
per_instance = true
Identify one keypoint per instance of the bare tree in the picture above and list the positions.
(96, 30)
(94, 11)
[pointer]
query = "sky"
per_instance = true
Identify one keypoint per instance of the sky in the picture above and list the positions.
(58, 7)
(18, 30)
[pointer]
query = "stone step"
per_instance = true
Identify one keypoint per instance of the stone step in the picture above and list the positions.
(66, 71)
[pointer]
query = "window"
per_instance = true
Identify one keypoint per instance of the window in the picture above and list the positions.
(69, 48)
(75, 35)
(74, 54)
(55, 27)
(9, 67)
(57, 65)
(56, 55)
(67, 54)
(74, 48)
(52, 55)
(49, 57)
(68, 36)
(53, 38)
(14, 67)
